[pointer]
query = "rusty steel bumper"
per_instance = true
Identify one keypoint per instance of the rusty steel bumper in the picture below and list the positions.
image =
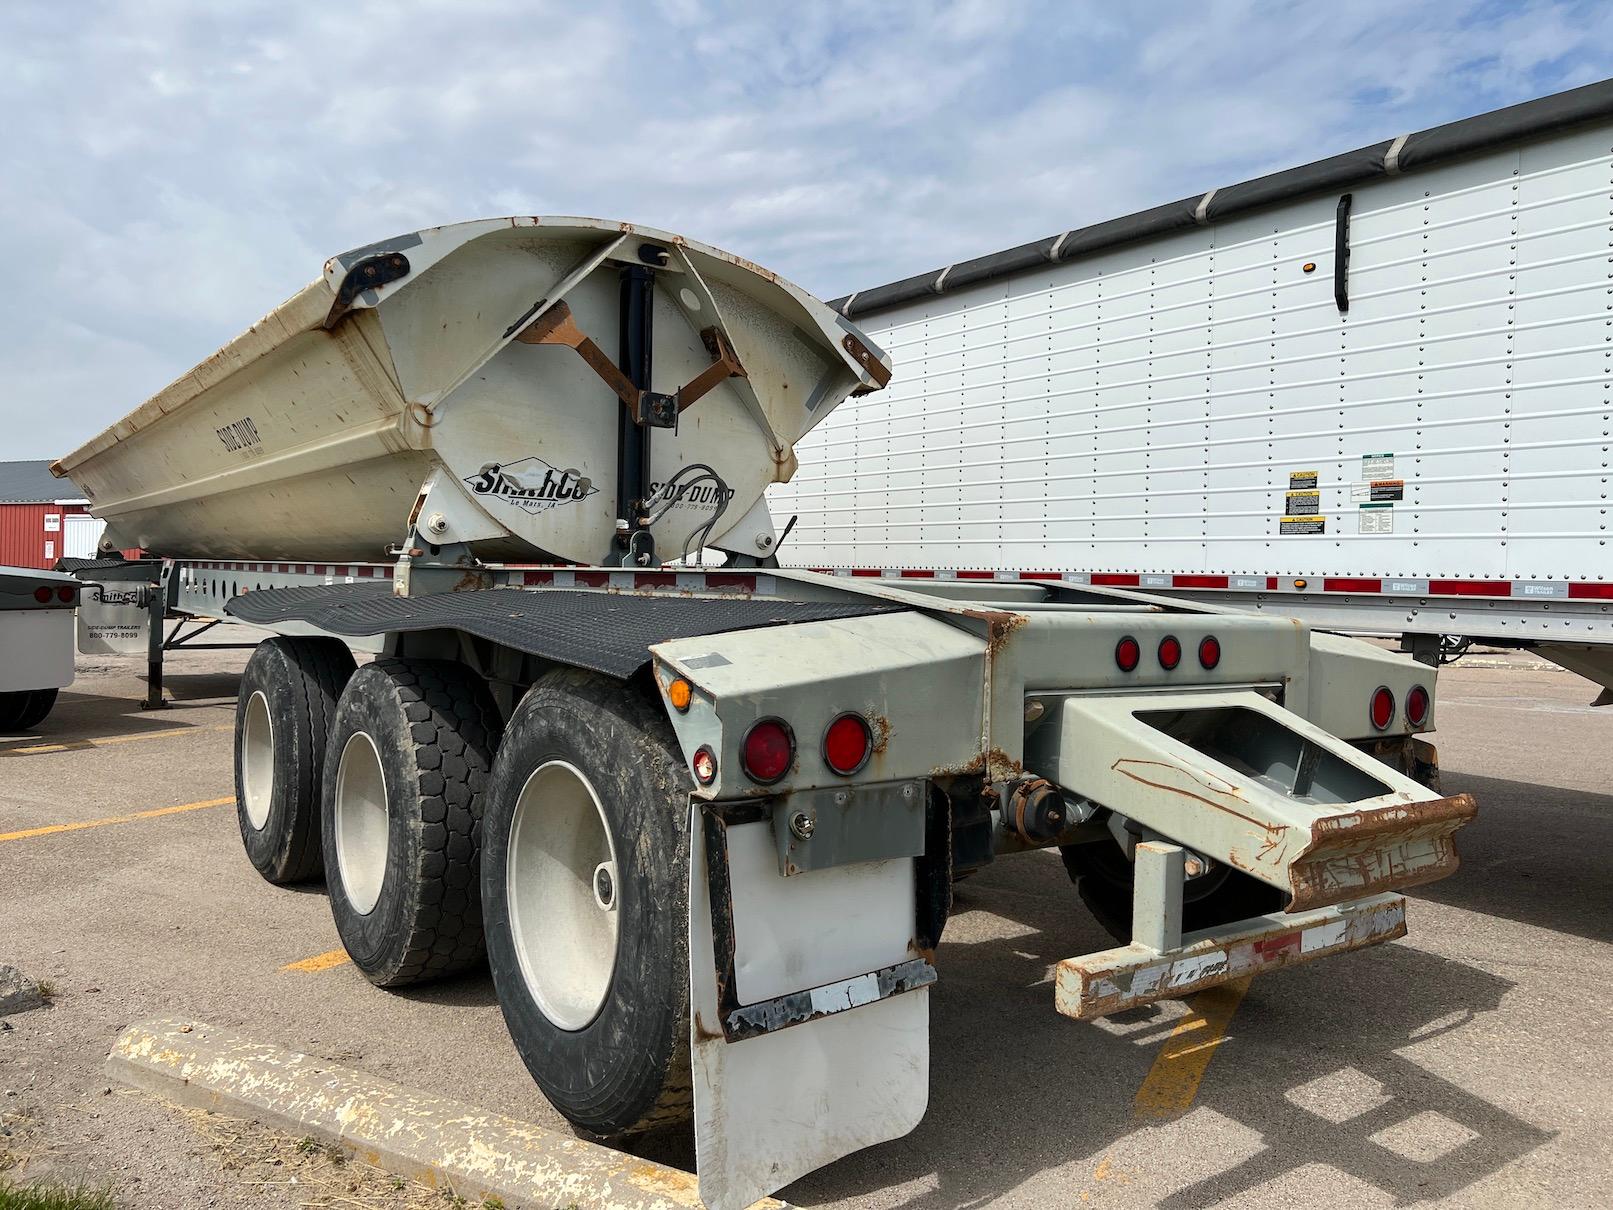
(1096, 985)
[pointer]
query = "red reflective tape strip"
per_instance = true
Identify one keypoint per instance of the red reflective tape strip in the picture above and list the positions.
(1041, 575)
(745, 583)
(1591, 592)
(1116, 579)
(593, 579)
(866, 571)
(1470, 588)
(1198, 581)
(913, 573)
(537, 577)
(655, 579)
(1350, 584)
(1271, 583)
(1269, 948)
(977, 575)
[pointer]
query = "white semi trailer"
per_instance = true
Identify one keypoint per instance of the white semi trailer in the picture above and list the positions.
(1374, 392)
(703, 823)
(36, 644)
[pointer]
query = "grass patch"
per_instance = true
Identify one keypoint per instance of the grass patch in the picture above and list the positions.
(47, 993)
(53, 1197)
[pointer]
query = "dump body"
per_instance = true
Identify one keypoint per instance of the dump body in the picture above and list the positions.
(314, 433)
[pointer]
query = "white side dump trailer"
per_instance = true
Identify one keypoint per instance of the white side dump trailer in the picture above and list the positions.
(1374, 392)
(703, 823)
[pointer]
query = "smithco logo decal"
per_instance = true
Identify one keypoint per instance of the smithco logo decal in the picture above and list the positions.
(531, 484)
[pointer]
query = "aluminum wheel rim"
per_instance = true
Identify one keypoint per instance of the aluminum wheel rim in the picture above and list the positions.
(361, 822)
(563, 894)
(257, 760)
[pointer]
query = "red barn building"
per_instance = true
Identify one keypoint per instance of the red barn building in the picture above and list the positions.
(42, 518)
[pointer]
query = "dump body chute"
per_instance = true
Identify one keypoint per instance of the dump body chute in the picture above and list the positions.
(490, 362)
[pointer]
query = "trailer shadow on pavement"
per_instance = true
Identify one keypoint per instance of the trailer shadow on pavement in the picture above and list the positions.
(1314, 1071)
(1536, 854)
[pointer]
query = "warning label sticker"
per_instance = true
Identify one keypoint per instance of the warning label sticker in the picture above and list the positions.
(1303, 503)
(1377, 491)
(1301, 480)
(1302, 525)
(1376, 519)
(1377, 466)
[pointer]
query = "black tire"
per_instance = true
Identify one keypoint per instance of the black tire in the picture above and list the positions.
(1103, 878)
(25, 709)
(299, 680)
(434, 726)
(627, 1069)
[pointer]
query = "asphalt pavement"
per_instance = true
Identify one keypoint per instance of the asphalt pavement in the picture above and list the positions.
(1462, 1066)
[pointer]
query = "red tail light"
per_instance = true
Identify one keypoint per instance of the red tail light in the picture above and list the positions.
(1417, 703)
(1383, 707)
(768, 751)
(847, 743)
(1170, 652)
(1209, 651)
(705, 766)
(65, 594)
(1128, 653)
(42, 594)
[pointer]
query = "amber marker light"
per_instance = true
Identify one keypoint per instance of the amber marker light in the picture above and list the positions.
(680, 693)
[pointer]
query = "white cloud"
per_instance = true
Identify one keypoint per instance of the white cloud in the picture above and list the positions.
(170, 171)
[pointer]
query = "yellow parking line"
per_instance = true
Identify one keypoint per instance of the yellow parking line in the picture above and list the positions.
(319, 962)
(1173, 1080)
(106, 741)
(52, 829)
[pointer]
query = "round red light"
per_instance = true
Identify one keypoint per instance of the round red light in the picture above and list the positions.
(1383, 707)
(64, 594)
(847, 743)
(1127, 654)
(768, 751)
(1417, 703)
(705, 766)
(1170, 652)
(1209, 651)
(42, 594)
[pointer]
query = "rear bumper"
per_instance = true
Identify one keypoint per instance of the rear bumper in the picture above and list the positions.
(1095, 985)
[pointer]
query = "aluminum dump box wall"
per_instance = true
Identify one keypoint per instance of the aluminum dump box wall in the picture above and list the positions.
(312, 435)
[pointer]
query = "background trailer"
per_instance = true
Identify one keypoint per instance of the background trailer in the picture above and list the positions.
(1374, 392)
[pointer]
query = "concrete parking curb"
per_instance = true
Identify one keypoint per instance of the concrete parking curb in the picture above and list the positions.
(433, 1139)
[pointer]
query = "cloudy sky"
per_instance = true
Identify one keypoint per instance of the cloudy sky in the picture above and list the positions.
(170, 170)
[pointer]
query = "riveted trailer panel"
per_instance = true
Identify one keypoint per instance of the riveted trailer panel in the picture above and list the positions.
(1389, 381)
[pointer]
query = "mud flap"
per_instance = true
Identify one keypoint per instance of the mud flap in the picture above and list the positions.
(809, 1009)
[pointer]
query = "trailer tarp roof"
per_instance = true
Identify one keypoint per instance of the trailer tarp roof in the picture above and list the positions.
(1407, 153)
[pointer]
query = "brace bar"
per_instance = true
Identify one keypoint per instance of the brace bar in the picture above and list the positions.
(556, 326)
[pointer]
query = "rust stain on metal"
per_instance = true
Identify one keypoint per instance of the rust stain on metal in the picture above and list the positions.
(1390, 848)
(880, 727)
(863, 356)
(999, 626)
(1126, 766)
(703, 1032)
